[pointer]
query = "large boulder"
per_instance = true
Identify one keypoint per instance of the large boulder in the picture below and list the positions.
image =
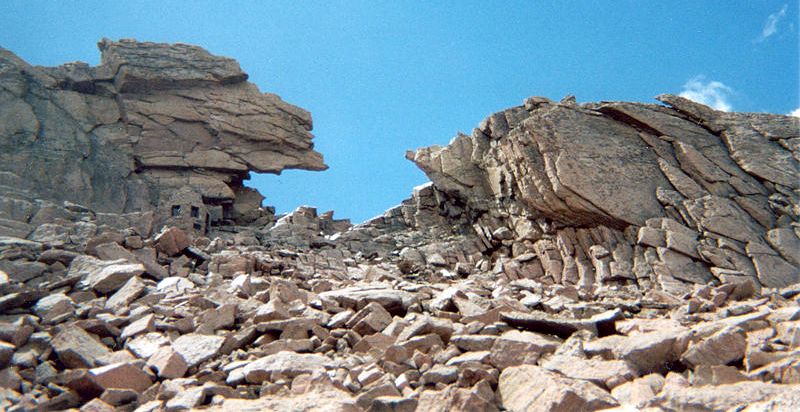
(570, 185)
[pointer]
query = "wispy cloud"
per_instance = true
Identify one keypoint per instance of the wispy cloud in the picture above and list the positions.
(795, 112)
(710, 93)
(771, 25)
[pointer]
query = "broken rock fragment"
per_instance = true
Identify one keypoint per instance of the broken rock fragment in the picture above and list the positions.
(196, 348)
(283, 365)
(78, 349)
(121, 376)
(531, 388)
(104, 276)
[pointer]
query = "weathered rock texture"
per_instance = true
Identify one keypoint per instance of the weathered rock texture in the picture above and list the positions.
(564, 257)
(149, 120)
(629, 193)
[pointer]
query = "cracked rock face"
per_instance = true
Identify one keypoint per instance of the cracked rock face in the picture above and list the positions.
(627, 192)
(149, 120)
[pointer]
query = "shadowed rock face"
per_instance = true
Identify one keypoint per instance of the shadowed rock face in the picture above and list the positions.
(150, 119)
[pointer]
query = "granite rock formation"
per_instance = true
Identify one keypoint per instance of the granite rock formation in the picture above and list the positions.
(601, 256)
(631, 193)
(152, 118)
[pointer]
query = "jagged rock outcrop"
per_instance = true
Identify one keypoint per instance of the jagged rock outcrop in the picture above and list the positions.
(615, 256)
(151, 119)
(630, 193)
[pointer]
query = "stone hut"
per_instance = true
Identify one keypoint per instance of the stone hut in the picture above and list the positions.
(186, 210)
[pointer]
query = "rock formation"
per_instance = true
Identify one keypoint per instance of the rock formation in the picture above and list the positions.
(600, 256)
(149, 120)
(632, 193)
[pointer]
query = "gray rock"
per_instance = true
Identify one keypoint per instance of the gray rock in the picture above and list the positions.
(212, 128)
(196, 348)
(103, 276)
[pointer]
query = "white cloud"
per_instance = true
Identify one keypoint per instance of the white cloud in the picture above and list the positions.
(710, 93)
(795, 112)
(771, 25)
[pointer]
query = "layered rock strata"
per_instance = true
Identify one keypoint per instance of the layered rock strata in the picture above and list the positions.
(630, 193)
(125, 135)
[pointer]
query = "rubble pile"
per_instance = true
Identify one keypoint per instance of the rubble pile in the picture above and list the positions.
(229, 326)
(600, 256)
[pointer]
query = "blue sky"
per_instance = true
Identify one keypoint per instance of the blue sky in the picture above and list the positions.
(381, 77)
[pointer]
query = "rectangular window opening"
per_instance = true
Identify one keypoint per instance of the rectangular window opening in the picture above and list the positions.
(176, 210)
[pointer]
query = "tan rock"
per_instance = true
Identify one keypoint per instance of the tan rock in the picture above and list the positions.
(284, 365)
(54, 307)
(715, 375)
(78, 349)
(531, 388)
(470, 358)
(168, 363)
(128, 293)
(144, 346)
(394, 301)
(639, 392)
(333, 400)
(171, 241)
(787, 243)
(604, 373)
(140, 326)
(97, 405)
(376, 344)
(456, 399)
(121, 376)
(275, 309)
(646, 352)
(725, 217)
(104, 276)
(721, 348)
(439, 374)
(424, 325)
(721, 397)
(211, 320)
(286, 291)
(473, 342)
(514, 348)
(371, 319)
(786, 401)
(383, 387)
(788, 333)
(146, 256)
(421, 343)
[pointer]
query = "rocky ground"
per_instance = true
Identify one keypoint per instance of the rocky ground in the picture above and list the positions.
(564, 256)
(173, 323)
